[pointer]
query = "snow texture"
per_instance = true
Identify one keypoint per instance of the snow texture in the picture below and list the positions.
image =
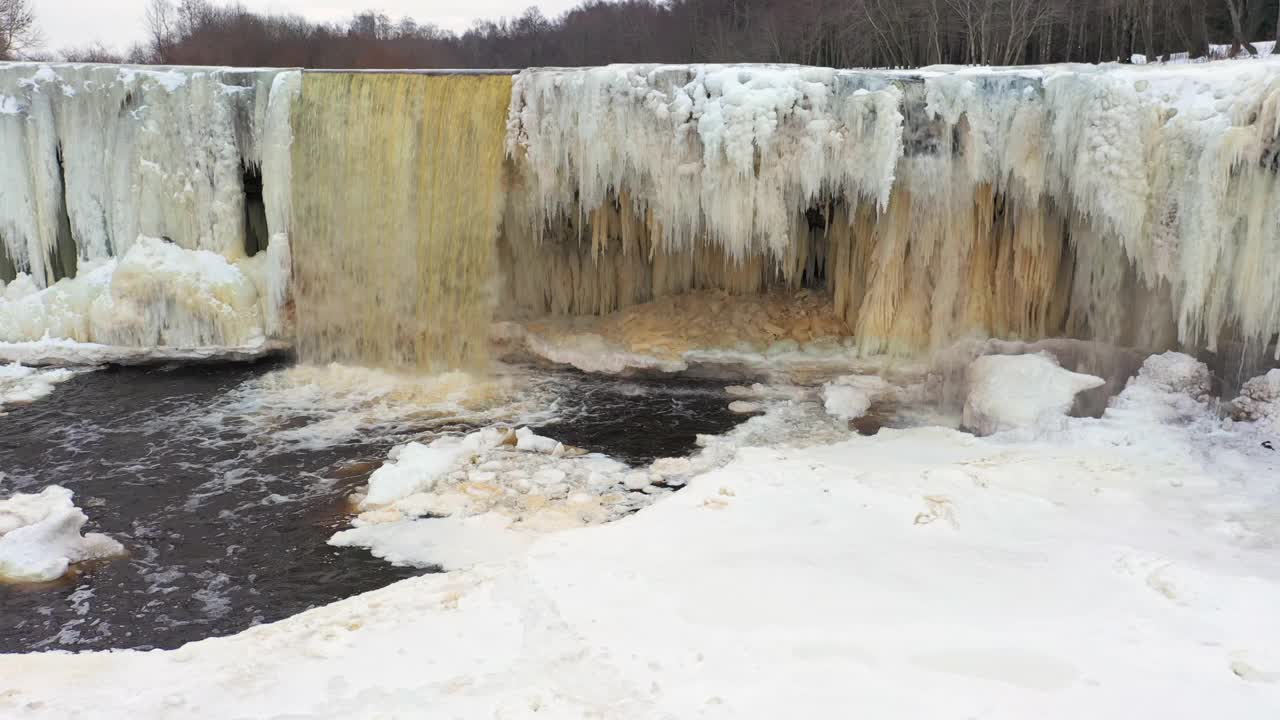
(1123, 565)
(1259, 401)
(1021, 392)
(40, 536)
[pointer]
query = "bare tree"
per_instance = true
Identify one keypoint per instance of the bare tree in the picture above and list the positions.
(161, 19)
(19, 33)
(1238, 40)
(94, 53)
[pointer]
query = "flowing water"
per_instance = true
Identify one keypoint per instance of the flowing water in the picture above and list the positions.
(225, 481)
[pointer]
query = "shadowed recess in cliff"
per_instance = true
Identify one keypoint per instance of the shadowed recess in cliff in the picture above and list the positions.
(396, 226)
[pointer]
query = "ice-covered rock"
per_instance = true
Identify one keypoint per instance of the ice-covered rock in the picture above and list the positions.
(1171, 387)
(40, 536)
(849, 397)
(1259, 401)
(1020, 392)
(528, 441)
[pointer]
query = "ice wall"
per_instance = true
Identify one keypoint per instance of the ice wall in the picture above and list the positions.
(396, 221)
(1130, 204)
(93, 157)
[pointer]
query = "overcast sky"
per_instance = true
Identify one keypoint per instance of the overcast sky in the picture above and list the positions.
(118, 23)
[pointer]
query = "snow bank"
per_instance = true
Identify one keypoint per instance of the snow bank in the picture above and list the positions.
(157, 295)
(451, 543)
(1084, 577)
(1021, 392)
(20, 385)
(40, 536)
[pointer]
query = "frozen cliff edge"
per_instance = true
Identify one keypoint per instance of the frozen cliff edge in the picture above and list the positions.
(1067, 192)
(93, 157)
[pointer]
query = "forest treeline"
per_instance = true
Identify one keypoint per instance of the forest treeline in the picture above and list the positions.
(838, 33)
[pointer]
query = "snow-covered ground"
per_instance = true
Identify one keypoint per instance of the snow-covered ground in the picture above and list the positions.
(1117, 567)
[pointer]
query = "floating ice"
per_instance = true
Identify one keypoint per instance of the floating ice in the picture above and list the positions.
(40, 536)
(20, 384)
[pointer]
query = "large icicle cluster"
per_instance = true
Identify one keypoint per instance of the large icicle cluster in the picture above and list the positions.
(157, 295)
(94, 157)
(1128, 204)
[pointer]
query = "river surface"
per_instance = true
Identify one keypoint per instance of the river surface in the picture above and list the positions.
(224, 488)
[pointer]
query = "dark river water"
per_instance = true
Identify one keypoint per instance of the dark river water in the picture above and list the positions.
(226, 518)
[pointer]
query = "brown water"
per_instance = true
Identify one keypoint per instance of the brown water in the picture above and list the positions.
(226, 521)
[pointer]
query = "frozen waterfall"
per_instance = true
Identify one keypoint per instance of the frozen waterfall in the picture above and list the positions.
(1135, 205)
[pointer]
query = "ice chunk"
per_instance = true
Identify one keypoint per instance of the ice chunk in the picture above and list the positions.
(527, 441)
(1021, 392)
(849, 397)
(414, 469)
(451, 543)
(1259, 401)
(20, 384)
(40, 536)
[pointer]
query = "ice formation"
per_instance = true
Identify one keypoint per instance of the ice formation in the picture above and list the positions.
(1259, 401)
(1021, 392)
(851, 396)
(156, 295)
(40, 536)
(20, 384)
(396, 221)
(94, 157)
(1134, 205)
